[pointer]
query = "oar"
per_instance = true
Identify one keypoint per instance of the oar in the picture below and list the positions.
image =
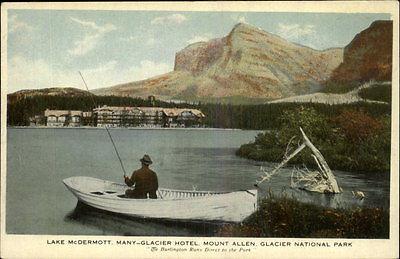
(109, 134)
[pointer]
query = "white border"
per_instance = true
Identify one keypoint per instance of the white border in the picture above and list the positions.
(35, 246)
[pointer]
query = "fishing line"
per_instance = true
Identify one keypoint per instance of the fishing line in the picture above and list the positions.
(109, 134)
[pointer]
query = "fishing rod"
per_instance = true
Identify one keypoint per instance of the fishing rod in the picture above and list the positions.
(109, 134)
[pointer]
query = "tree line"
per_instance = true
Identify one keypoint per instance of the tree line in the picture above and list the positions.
(257, 116)
(268, 116)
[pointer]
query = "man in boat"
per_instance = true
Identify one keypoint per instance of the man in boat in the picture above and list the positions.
(145, 181)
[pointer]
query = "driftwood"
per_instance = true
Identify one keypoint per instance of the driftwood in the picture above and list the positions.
(322, 180)
(358, 195)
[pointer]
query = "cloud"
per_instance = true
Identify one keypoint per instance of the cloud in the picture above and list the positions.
(147, 69)
(83, 46)
(146, 40)
(129, 39)
(242, 19)
(37, 74)
(295, 31)
(199, 38)
(106, 74)
(89, 24)
(109, 73)
(110, 65)
(16, 25)
(238, 18)
(169, 19)
(91, 38)
(150, 41)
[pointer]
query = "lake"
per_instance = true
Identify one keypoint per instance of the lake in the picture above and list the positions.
(38, 159)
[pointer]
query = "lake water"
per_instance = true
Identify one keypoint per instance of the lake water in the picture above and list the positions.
(38, 160)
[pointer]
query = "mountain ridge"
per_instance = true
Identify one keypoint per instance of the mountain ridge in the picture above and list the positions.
(248, 62)
(50, 91)
(368, 56)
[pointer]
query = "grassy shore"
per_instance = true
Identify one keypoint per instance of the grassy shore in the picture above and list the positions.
(286, 217)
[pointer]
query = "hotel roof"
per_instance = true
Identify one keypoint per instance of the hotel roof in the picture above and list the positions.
(59, 113)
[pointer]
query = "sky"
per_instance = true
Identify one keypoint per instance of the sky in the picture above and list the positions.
(47, 48)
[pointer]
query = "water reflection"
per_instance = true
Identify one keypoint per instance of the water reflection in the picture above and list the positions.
(39, 159)
(121, 225)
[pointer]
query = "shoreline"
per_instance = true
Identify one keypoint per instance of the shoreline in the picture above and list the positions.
(126, 128)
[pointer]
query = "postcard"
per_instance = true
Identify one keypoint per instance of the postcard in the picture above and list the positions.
(200, 130)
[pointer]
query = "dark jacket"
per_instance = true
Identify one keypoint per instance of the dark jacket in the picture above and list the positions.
(145, 181)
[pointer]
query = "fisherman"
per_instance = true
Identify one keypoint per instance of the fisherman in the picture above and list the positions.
(145, 181)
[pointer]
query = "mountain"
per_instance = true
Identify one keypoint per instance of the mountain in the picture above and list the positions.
(54, 91)
(368, 56)
(247, 63)
(365, 73)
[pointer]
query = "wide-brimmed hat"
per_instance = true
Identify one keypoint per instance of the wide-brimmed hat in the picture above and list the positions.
(146, 160)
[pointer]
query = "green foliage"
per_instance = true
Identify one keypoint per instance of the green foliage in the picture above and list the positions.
(354, 140)
(357, 126)
(378, 92)
(315, 124)
(287, 217)
(339, 87)
(268, 116)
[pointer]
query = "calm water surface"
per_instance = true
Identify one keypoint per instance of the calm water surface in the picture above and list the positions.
(39, 159)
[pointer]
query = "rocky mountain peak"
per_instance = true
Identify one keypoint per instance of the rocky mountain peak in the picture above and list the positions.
(245, 27)
(247, 63)
(198, 57)
(368, 56)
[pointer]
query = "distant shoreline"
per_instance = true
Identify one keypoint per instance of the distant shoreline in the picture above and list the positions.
(121, 128)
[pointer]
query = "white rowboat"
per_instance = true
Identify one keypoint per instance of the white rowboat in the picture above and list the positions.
(171, 204)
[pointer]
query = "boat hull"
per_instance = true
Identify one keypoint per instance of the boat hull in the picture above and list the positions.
(171, 204)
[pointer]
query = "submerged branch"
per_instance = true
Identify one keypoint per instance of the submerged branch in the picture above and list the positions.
(322, 180)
